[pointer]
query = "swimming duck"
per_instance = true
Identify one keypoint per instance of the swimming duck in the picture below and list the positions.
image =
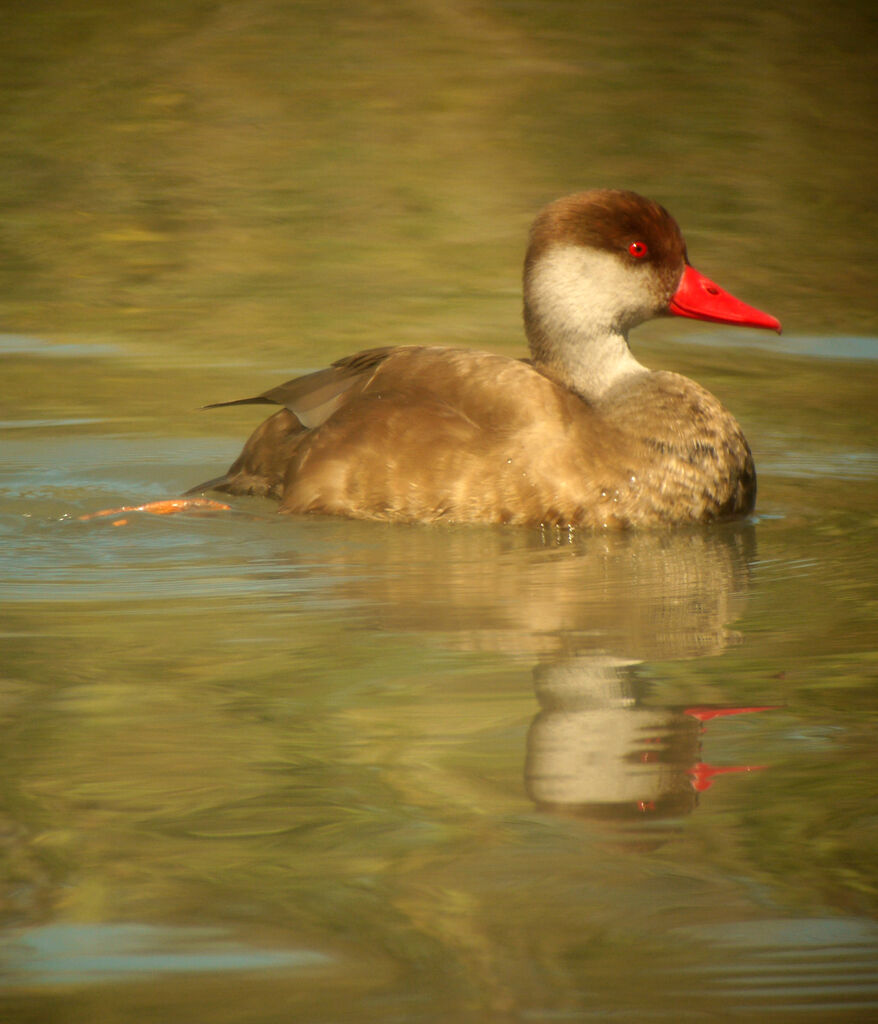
(581, 434)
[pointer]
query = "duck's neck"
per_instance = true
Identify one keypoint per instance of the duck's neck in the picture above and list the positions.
(589, 364)
(576, 327)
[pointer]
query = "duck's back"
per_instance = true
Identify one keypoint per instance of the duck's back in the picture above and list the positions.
(426, 434)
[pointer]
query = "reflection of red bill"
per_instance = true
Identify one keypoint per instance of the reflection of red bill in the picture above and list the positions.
(168, 507)
(705, 714)
(702, 775)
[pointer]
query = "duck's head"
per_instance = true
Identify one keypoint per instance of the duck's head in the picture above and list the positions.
(600, 262)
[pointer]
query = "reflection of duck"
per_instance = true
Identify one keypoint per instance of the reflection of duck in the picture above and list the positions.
(582, 434)
(597, 751)
(643, 595)
(589, 615)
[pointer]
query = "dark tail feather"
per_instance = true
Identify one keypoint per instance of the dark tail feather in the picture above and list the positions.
(209, 485)
(258, 400)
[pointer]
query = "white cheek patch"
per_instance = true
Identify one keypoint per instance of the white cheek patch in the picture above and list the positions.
(583, 302)
(586, 289)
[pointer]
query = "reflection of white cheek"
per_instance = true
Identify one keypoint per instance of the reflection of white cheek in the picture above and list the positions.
(601, 756)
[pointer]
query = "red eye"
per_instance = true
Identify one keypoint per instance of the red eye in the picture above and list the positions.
(638, 250)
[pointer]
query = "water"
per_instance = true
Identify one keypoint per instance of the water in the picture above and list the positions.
(257, 768)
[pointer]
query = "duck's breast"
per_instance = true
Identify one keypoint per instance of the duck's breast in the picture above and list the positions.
(689, 461)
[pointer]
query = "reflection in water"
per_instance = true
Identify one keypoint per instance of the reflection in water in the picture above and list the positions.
(636, 597)
(596, 751)
(588, 609)
(325, 751)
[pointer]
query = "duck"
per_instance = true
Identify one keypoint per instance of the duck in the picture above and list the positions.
(580, 434)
